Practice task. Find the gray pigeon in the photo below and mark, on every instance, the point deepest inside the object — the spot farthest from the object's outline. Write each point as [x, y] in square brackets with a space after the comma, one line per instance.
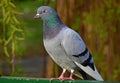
[66, 47]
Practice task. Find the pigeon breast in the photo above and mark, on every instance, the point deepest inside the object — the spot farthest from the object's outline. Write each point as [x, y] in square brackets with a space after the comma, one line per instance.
[56, 51]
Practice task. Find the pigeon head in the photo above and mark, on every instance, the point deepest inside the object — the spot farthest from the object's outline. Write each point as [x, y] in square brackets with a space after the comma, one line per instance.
[44, 11]
[51, 21]
[48, 15]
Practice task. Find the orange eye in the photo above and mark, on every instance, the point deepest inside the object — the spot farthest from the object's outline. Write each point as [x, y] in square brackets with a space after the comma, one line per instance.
[44, 11]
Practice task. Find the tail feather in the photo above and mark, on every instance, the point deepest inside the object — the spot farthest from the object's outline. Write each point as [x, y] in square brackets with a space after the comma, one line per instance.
[85, 75]
[88, 73]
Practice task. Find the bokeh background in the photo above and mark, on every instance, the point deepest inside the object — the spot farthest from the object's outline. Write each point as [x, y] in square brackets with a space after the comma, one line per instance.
[22, 53]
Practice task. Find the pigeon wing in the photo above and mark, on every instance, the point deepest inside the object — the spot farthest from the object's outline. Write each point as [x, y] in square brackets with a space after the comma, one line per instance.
[76, 50]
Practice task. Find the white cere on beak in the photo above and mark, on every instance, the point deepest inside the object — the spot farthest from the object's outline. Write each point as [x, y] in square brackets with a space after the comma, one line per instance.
[37, 14]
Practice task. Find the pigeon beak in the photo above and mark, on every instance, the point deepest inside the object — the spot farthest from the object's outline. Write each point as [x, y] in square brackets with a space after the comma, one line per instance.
[37, 16]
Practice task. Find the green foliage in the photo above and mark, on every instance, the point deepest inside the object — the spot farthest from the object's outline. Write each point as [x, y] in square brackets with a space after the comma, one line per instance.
[11, 26]
[12, 30]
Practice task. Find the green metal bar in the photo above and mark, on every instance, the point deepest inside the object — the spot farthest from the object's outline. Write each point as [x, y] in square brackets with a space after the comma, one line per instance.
[43, 80]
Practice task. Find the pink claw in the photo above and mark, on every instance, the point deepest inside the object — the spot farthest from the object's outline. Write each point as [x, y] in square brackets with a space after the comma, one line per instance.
[62, 76]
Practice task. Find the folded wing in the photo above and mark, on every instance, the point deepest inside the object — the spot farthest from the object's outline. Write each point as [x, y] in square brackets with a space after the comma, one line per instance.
[76, 50]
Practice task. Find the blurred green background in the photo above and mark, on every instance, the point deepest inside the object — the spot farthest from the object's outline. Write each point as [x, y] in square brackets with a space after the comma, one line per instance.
[21, 45]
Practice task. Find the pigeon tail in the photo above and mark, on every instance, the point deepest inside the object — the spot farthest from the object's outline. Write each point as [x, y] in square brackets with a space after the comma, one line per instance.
[88, 73]
[85, 75]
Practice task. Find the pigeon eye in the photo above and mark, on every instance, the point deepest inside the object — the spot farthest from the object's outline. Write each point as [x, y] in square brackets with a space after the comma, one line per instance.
[44, 11]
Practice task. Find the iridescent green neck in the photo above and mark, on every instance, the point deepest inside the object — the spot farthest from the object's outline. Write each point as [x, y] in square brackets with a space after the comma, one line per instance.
[52, 27]
[52, 21]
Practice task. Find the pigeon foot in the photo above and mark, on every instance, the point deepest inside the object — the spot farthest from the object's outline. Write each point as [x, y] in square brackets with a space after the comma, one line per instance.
[62, 78]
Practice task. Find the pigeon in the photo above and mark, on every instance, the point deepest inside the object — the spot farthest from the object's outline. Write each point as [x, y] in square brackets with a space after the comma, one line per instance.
[66, 47]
